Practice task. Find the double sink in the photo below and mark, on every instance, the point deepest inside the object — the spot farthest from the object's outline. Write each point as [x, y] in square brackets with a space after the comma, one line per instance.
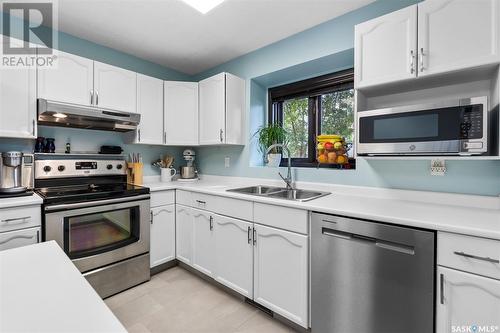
[280, 193]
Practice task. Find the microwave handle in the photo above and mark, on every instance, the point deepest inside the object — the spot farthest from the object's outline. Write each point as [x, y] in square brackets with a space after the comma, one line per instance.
[95, 203]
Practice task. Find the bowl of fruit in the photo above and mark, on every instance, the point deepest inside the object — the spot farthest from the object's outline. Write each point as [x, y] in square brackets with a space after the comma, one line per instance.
[332, 149]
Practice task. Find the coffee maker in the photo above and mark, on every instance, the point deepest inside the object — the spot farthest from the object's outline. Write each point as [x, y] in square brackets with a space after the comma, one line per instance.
[189, 171]
[16, 172]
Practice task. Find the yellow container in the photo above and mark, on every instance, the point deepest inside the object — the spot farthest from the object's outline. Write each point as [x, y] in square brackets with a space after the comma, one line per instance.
[135, 173]
[331, 149]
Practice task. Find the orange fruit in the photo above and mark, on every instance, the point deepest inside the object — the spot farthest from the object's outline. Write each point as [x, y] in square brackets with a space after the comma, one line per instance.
[332, 157]
[322, 159]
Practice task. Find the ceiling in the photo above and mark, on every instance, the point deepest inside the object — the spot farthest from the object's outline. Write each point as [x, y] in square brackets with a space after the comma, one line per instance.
[173, 34]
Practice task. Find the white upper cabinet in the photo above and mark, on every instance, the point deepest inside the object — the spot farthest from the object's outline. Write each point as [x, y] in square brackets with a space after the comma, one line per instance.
[162, 230]
[115, 88]
[17, 101]
[456, 34]
[222, 110]
[281, 273]
[203, 242]
[181, 113]
[150, 107]
[465, 299]
[70, 81]
[386, 48]
[234, 254]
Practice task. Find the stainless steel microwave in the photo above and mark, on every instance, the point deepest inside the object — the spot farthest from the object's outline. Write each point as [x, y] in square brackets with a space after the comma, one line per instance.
[457, 127]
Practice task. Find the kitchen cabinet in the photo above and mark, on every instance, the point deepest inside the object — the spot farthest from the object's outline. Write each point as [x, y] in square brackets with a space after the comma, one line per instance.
[18, 238]
[456, 34]
[281, 272]
[70, 81]
[17, 101]
[115, 88]
[386, 48]
[464, 300]
[162, 235]
[222, 110]
[184, 234]
[181, 113]
[203, 242]
[150, 107]
[234, 254]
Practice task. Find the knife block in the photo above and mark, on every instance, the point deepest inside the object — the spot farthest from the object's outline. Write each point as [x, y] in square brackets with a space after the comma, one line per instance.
[135, 173]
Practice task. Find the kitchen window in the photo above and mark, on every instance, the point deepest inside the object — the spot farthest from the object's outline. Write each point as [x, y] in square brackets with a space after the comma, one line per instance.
[319, 106]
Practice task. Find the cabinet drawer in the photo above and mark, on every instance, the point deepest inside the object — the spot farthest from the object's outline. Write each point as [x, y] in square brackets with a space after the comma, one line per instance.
[291, 219]
[162, 198]
[20, 218]
[183, 198]
[236, 208]
[471, 254]
[18, 238]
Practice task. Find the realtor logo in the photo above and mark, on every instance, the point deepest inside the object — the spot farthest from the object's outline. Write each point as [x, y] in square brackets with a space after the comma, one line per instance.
[33, 28]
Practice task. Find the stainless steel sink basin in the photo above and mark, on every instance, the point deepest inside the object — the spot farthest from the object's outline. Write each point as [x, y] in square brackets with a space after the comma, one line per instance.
[279, 193]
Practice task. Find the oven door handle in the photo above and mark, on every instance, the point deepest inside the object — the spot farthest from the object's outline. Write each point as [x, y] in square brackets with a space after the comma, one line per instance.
[95, 203]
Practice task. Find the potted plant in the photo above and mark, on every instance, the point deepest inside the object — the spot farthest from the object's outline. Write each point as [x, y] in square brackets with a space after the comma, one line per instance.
[267, 136]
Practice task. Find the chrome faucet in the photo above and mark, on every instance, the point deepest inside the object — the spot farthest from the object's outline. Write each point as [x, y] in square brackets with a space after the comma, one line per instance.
[288, 179]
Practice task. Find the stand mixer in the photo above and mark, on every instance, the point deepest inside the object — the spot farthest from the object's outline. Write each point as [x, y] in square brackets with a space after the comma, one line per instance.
[189, 171]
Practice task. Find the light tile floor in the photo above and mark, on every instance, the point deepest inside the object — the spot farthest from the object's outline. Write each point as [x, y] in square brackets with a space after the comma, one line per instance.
[178, 301]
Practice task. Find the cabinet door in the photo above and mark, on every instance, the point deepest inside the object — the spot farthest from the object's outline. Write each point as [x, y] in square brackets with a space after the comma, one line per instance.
[150, 107]
[386, 47]
[17, 101]
[466, 300]
[162, 235]
[18, 238]
[203, 242]
[181, 113]
[212, 110]
[71, 81]
[456, 34]
[281, 272]
[115, 88]
[235, 110]
[184, 234]
[234, 254]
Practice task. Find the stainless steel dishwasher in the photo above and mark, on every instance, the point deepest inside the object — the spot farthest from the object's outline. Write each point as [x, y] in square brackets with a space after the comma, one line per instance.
[369, 277]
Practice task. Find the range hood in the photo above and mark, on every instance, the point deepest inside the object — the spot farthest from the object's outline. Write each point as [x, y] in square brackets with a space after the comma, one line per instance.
[52, 113]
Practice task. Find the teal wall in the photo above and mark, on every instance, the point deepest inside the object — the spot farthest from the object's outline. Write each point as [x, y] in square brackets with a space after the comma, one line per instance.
[324, 49]
[84, 140]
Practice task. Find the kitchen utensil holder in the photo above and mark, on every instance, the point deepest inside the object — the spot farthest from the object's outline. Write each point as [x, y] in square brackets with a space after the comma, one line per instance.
[135, 173]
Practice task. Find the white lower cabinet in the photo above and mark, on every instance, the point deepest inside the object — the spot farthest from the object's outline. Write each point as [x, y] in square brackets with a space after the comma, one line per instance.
[184, 234]
[18, 238]
[162, 230]
[234, 254]
[466, 300]
[203, 242]
[281, 272]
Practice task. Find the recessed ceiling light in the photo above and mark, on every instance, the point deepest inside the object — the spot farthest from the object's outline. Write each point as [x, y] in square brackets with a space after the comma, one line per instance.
[203, 6]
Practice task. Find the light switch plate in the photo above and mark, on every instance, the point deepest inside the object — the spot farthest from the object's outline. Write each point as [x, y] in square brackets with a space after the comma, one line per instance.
[227, 161]
[438, 167]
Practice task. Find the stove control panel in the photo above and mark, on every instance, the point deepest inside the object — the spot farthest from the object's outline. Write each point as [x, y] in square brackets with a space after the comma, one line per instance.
[77, 168]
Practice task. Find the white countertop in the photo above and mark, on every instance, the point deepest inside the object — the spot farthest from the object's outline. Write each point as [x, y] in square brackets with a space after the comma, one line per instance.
[42, 291]
[20, 201]
[465, 214]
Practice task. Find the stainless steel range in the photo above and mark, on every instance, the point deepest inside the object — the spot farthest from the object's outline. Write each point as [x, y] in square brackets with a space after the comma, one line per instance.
[100, 221]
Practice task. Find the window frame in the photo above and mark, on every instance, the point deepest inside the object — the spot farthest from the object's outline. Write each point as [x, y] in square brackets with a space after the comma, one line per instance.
[312, 89]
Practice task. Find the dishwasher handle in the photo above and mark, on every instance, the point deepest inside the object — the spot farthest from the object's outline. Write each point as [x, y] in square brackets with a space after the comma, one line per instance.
[388, 245]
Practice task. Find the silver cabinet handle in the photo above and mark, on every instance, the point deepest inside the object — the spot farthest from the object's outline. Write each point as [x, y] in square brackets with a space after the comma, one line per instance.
[441, 288]
[422, 59]
[151, 217]
[412, 62]
[466, 255]
[16, 219]
[33, 129]
[38, 236]
[139, 134]
[91, 97]
[165, 137]
[201, 202]
[220, 135]
[16, 237]
[254, 236]
[249, 235]
[96, 97]
[211, 223]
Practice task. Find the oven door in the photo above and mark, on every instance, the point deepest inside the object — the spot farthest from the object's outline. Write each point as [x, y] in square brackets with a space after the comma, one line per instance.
[97, 233]
[436, 129]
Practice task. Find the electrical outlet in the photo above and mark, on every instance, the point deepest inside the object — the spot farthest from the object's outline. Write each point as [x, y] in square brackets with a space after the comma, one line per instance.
[227, 161]
[438, 167]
